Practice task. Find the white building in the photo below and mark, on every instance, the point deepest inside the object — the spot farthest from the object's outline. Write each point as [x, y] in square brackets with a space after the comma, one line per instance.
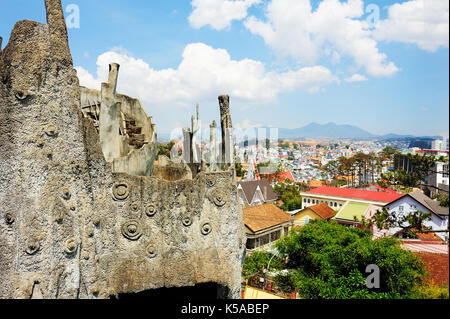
[417, 201]
[439, 145]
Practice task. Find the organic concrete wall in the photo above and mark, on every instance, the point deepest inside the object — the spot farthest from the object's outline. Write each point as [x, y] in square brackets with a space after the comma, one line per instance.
[70, 226]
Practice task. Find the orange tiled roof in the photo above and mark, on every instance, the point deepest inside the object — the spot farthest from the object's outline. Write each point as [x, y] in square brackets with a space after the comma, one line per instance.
[260, 217]
[323, 210]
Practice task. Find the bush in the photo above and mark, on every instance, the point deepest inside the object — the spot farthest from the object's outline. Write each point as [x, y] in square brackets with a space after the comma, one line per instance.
[256, 261]
[330, 262]
[432, 291]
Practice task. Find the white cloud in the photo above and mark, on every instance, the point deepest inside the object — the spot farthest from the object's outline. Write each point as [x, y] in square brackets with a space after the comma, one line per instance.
[246, 124]
[356, 78]
[218, 13]
[421, 22]
[293, 29]
[203, 74]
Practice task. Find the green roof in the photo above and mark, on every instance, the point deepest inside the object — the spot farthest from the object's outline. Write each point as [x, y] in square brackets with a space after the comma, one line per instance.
[353, 209]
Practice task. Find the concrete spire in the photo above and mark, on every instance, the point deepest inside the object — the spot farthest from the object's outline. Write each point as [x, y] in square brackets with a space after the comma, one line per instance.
[59, 43]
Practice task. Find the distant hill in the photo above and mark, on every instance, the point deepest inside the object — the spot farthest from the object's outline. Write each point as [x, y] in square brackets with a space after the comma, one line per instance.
[330, 130]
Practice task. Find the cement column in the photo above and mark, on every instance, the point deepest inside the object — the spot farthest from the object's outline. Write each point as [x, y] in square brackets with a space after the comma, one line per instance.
[212, 146]
[109, 124]
[227, 131]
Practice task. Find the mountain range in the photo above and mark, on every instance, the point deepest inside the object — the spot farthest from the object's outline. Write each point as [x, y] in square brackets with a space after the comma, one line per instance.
[332, 130]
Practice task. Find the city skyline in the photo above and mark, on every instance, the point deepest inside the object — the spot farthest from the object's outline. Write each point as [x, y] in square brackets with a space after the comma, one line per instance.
[325, 61]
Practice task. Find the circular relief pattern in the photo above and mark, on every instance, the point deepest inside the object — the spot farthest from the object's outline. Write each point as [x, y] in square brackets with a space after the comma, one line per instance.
[206, 228]
[51, 130]
[121, 191]
[135, 207]
[210, 181]
[152, 251]
[70, 247]
[21, 94]
[219, 198]
[151, 210]
[187, 221]
[9, 218]
[132, 229]
[32, 246]
[65, 193]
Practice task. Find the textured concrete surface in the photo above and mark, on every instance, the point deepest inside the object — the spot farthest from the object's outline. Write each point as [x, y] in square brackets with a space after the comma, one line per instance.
[71, 225]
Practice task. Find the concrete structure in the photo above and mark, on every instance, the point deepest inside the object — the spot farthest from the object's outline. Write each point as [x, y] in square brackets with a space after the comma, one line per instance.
[84, 214]
[439, 145]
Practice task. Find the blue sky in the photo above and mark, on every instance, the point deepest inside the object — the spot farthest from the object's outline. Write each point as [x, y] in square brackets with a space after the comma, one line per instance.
[285, 63]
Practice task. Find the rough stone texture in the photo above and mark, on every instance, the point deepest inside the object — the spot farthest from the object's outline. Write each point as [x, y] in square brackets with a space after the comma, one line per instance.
[71, 226]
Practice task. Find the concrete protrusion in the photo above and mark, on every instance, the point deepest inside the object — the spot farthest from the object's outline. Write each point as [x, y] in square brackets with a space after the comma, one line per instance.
[212, 146]
[59, 43]
[110, 116]
[227, 132]
[113, 75]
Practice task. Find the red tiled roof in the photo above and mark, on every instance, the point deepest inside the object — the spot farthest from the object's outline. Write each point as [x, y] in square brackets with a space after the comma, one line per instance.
[280, 177]
[385, 189]
[323, 210]
[386, 197]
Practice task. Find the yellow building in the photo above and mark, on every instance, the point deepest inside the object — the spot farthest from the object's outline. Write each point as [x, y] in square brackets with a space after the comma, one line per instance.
[319, 211]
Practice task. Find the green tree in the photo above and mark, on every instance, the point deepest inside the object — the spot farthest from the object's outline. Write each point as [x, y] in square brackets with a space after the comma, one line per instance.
[164, 149]
[289, 193]
[240, 171]
[255, 262]
[328, 260]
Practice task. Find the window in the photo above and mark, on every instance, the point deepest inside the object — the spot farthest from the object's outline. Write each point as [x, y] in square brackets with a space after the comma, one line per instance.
[275, 235]
[309, 201]
[335, 204]
[444, 171]
[400, 208]
[250, 243]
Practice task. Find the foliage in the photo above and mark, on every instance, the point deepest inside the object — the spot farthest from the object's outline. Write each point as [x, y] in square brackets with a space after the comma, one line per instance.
[442, 198]
[410, 223]
[421, 166]
[289, 193]
[240, 171]
[287, 282]
[432, 291]
[164, 149]
[330, 261]
[256, 261]
[389, 152]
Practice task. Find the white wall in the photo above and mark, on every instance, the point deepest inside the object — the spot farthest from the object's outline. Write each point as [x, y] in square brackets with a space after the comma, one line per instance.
[410, 206]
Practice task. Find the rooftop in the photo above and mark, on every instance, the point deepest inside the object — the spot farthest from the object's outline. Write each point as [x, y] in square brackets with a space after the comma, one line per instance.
[352, 210]
[260, 217]
[377, 196]
[323, 210]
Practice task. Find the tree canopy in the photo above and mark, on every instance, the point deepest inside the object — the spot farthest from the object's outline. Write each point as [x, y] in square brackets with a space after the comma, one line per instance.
[328, 260]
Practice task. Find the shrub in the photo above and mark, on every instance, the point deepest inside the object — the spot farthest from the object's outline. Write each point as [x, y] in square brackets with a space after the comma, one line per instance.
[330, 262]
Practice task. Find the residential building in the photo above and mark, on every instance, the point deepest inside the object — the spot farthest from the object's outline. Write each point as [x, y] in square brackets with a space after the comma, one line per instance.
[255, 193]
[336, 197]
[264, 225]
[319, 211]
[352, 213]
[417, 201]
